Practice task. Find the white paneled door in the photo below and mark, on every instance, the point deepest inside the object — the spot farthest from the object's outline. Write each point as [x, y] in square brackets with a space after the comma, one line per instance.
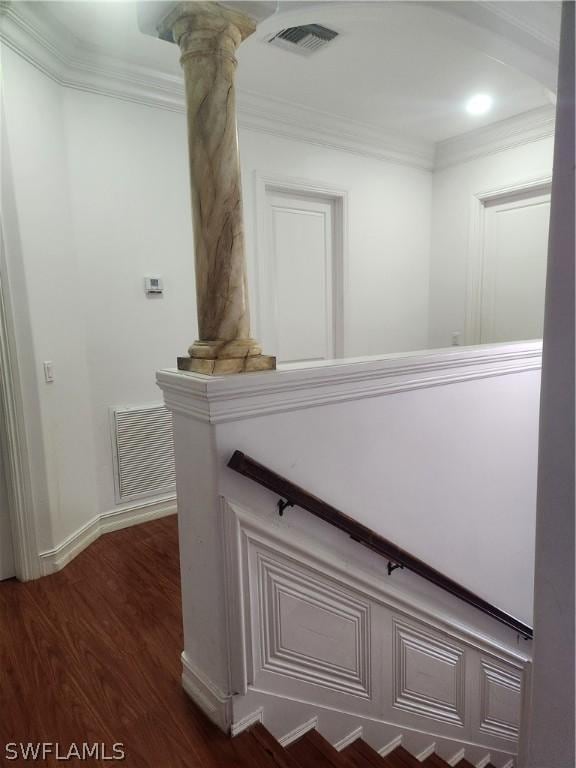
[514, 275]
[302, 275]
[6, 553]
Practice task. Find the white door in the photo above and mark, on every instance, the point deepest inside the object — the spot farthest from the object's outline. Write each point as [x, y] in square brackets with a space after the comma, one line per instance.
[301, 250]
[6, 553]
[514, 276]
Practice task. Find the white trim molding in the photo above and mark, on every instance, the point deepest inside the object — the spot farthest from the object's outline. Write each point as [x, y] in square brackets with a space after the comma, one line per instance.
[298, 732]
[475, 268]
[515, 131]
[294, 121]
[38, 37]
[53, 560]
[391, 746]
[247, 722]
[319, 589]
[215, 704]
[32, 32]
[266, 283]
[344, 742]
[218, 399]
[13, 439]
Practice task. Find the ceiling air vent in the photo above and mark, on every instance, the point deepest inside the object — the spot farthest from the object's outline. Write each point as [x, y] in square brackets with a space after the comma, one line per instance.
[305, 39]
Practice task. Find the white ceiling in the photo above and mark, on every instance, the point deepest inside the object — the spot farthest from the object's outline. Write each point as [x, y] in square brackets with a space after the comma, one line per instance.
[403, 67]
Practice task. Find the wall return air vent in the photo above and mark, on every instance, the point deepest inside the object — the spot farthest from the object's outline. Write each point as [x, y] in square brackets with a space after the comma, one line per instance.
[143, 449]
[305, 40]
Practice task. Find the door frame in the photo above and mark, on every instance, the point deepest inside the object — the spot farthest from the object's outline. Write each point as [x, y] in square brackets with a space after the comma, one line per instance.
[265, 303]
[476, 247]
[19, 492]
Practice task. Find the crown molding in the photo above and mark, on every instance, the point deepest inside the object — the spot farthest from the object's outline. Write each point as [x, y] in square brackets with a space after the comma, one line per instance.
[522, 24]
[283, 118]
[41, 40]
[46, 44]
[505, 134]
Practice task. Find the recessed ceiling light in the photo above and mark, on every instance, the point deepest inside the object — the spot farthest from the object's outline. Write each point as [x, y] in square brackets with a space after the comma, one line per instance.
[479, 104]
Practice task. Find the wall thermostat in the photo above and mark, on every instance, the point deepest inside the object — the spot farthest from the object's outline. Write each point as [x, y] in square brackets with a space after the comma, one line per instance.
[153, 286]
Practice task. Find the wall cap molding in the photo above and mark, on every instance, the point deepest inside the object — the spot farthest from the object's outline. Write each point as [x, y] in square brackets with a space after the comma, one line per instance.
[220, 399]
[46, 44]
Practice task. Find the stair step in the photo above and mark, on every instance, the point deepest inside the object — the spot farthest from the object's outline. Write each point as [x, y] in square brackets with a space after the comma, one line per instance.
[434, 761]
[277, 755]
[361, 755]
[313, 751]
[401, 758]
[248, 752]
[257, 748]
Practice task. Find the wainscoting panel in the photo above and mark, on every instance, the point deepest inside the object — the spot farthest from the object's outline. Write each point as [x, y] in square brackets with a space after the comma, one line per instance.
[428, 675]
[501, 701]
[312, 631]
[307, 630]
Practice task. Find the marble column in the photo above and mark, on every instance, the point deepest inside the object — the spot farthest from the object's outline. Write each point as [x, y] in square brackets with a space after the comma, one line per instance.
[208, 35]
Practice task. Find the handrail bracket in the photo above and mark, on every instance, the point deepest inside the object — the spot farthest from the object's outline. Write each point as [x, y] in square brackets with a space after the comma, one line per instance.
[392, 566]
[283, 504]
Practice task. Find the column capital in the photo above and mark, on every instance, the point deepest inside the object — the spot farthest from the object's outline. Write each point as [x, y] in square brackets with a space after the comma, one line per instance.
[191, 24]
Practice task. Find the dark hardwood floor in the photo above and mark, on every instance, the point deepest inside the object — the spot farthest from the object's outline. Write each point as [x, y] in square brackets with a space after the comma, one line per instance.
[92, 654]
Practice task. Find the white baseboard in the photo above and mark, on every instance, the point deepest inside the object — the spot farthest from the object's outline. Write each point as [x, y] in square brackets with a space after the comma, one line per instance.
[391, 746]
[247, 722]
[427, 752]
[455, 759]
[350, 738]
[53, 560]
[215, 704]
[298, 732]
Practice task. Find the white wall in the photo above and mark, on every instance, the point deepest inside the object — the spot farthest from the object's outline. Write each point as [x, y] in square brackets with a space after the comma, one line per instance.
[102, 199]
[131, 214]
[387, 274]
[453, 193]
[41, 251]
[423, 469]
[550, 739]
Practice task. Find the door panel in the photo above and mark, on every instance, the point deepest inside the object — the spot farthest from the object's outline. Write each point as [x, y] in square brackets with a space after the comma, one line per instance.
[514, 278]
[300, 236]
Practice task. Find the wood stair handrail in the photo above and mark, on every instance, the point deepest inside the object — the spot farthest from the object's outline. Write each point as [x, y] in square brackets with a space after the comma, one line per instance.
[296, 496]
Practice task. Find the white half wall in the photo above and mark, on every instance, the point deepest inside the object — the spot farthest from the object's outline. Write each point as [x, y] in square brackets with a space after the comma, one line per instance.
[438, 455]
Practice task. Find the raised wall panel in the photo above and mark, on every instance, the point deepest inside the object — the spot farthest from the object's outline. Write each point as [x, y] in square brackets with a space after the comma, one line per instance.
[312, 630]
[428, 675]
[501, 701]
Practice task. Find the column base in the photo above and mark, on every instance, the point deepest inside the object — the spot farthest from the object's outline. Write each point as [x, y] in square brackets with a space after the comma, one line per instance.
[219, 357]
[222, 365]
